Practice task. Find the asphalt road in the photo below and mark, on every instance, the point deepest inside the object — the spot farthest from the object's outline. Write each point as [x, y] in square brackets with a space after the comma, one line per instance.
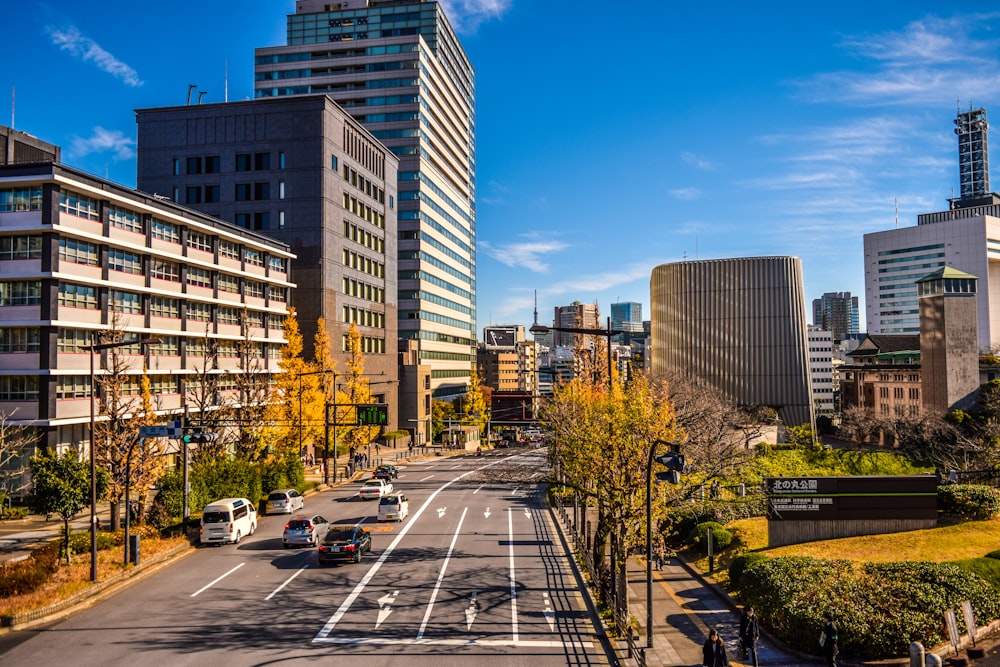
[477, 572]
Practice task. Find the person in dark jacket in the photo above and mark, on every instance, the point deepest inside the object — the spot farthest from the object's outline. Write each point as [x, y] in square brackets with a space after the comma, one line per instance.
[830, 639]
[714, 651]
[749, 634]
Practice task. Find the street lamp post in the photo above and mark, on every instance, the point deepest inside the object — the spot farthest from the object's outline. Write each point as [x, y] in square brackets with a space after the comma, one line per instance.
[92, 348]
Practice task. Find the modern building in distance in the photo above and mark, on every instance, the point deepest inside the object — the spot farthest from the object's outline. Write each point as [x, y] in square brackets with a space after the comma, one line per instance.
[821, 371]
[627, 316]
[949, 354]
[399, 69]
[739, 324]
[21, 148]
[80, 255]
[304, 172]
[964, 237]
[576, 316]
[507, 365]
[836, 312]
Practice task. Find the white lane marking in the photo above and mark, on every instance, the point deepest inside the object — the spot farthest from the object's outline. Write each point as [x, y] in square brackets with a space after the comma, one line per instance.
[470, 613]
[441, 511]
[549, 613]
[477, 490]
[287, 581]
[487, 513]
[385, 607]
[426, 478]
[215, 581]
[444, 567]
[513, 583]
[455, 467]
[400, 641]
[373, 570]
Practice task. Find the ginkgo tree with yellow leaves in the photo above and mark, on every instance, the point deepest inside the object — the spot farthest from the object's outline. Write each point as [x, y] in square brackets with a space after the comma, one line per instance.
[600, 444]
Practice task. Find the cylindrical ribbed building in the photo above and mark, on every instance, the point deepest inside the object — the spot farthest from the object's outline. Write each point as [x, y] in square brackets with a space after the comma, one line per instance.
[738, 323]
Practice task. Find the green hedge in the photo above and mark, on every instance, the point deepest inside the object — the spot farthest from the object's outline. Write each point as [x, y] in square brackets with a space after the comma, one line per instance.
[880, 607]
[740, 564]
[987, 568]
[698, 538]
[969, 501]
[28, 575]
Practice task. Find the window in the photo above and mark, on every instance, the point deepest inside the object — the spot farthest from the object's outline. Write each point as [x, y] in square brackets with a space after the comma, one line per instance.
[19, 339]
[333, 162]
[164, 307]
[78, 205]
[254, 319]
[281, 219]
[18, 387]
[20, 293]
[277, 294]
[281, 189]
[73, 386]
[125, 302]
[165, 231]
[261, 191]
[177, 167]
[77, 296]
[261, 161]
[196, 347]
[229, 250]
[261, 220]
[77, 252]
[124, 261]
[199, 241]
[213, 164]
[252, 256]
[164, 270]
[228, 315]
[242, 220]
[198, 312]
[199, 277]
[28, 198]
[20, 247]
[194, 194]
[213, 194]
[242, 192]
[122, 218]
[281, 159]
[227, 283]
[243, 162]
[72, 340]
[194, 165]
[254, 289]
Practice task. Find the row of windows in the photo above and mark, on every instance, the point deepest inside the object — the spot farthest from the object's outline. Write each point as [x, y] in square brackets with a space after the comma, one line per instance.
[365, 238]
[362, 210]
[18, 388]
[78, 252]
[20, 247]
[79, 205]
[365, 185]
[367, 265]
[363, 290]
[369, 345]
[19, 339]
[21, 198]
[274, 59]
[434, 298]
[364, 318]
[77, 340]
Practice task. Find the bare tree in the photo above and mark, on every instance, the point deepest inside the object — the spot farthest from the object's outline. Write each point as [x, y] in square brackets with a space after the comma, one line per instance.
[15, 451]
[203, 397]
[254, 388]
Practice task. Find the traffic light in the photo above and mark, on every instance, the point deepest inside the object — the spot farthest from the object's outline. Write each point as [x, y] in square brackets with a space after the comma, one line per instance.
[376, 414]
[674, 462]
[199, 436]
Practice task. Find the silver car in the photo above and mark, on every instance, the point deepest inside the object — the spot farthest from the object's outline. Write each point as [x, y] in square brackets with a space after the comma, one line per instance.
[305, 531]
[285, 501]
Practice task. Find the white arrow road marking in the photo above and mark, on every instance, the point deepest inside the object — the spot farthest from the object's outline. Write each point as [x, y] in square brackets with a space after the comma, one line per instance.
[444, 566]
[470, 613]
[215, 581]
[385, 607]
[527, 513]
[441, 511]
[287, 581]
[549, 613]
[487, 513]
[513, 583]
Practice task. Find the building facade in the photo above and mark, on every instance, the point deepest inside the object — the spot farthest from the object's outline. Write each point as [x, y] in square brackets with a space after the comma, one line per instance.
[821, 371]
[949, 354]
[739, 324]
[836, 312]
[81, 256]
[399, 69]
[304, 172]
[627, 317]
[576, 316]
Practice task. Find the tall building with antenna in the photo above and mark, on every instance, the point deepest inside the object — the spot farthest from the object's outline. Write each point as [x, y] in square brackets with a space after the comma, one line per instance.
[966, 237]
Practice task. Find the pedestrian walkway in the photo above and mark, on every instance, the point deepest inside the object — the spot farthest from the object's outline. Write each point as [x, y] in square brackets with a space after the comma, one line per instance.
[19, 537]
[684, 610]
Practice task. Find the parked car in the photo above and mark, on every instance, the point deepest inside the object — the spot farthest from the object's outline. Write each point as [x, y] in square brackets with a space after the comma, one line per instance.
[285, 501]
[307, 531]
[344, 543]
[375, 488]
[393, 507]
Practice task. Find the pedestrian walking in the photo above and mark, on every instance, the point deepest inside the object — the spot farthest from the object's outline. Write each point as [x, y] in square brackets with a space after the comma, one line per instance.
[714, 651]
[749, 635]
[829, 639]
[659, 554]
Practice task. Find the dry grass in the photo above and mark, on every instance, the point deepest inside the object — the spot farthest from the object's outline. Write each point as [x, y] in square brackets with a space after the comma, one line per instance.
[75, 577]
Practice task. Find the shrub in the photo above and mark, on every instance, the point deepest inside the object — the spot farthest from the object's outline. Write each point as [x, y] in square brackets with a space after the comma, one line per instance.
[969, 501]
[698, 538]
[740, 565]
[880, 607]
[157, 515]
[25, 576]
[986, 568]
[993, 554]
[80, 542]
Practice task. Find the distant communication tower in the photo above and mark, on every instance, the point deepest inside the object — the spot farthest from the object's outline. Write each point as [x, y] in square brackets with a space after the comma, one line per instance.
[973, 155]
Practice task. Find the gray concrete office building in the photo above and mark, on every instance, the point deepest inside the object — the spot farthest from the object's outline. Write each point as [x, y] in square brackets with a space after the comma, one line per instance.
[306, 173]
[739, 324]
[399, 69]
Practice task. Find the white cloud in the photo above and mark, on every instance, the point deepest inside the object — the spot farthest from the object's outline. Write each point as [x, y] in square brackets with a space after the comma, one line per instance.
[697, 161]
[104, 141]
[686, 193]
[527, 255]
[467, 15]
[69, 39]
[600, 282]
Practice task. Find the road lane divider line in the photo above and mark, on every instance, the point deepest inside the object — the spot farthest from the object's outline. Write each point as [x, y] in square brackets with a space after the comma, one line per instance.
[373, 570]
[287, 581]
[444, 568]
[426, 478]
[217, 580]
[513, 582]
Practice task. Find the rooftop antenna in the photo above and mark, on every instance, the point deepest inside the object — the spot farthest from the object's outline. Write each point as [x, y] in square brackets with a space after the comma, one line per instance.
[200, 94]
[191, 87]
[536, 307]
[225, 97]
[12, 106]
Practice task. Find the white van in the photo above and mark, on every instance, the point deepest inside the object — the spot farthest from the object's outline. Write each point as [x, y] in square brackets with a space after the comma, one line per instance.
[394, 507]
[228, 520]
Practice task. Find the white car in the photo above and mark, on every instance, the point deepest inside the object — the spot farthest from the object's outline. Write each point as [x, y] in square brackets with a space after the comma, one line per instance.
[284, 501]
[375, 488]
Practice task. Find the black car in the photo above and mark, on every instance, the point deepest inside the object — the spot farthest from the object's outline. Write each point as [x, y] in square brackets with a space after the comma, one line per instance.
[387, 472]
[344, 544]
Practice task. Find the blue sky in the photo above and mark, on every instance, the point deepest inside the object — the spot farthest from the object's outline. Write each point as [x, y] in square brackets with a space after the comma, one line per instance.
[611, 137]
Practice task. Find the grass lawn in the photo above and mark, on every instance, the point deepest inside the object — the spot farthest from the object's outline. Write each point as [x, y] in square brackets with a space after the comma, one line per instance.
[947, 542]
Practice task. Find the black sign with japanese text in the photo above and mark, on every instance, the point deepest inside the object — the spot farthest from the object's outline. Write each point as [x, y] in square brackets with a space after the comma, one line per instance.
[851, 498]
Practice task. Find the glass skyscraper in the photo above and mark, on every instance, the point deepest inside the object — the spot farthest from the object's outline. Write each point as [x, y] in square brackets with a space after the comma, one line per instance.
[398, 68]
